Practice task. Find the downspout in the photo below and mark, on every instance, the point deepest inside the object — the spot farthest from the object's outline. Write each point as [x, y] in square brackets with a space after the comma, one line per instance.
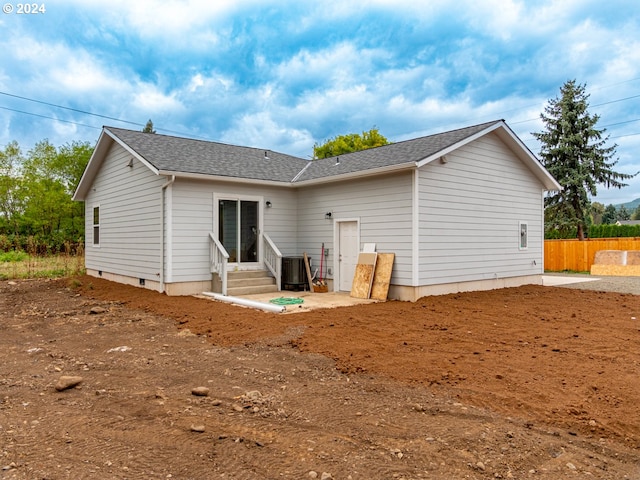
[415, 232]
[162, 229]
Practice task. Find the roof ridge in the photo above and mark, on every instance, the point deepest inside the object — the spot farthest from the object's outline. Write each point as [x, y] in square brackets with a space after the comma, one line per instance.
[445, 132]
[216, 142]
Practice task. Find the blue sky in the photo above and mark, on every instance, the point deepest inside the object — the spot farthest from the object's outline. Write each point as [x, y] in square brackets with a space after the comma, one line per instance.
[283, 75]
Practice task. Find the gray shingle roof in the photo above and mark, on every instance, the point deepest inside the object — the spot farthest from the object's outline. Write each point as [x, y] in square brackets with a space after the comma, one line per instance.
[183, 155]
[409, 151]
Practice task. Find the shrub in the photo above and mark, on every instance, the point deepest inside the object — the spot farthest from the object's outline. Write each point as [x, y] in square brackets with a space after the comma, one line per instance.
[614, 231]
[13, 256]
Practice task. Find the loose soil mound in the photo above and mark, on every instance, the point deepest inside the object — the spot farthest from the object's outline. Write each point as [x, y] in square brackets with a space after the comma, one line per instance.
[525, 382]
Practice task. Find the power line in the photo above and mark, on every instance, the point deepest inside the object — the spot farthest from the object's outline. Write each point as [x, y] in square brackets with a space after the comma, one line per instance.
[84, 112]
[49, 118]
[614, 101]
[69, 108]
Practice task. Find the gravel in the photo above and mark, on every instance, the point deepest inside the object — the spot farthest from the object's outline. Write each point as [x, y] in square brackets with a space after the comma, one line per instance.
[604, 284]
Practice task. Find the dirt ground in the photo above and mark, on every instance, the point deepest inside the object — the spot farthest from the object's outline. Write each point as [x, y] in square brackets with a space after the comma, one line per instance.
[531, 382]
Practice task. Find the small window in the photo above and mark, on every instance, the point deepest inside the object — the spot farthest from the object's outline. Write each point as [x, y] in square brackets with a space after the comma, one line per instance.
[96, 225]
[524, 236]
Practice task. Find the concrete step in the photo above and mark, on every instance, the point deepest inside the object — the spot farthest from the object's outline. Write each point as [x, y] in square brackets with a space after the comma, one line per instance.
[245, 274]
[251, 290]
[249, 282]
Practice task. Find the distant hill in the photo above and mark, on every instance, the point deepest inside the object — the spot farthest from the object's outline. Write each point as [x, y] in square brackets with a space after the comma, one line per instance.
[630, 206]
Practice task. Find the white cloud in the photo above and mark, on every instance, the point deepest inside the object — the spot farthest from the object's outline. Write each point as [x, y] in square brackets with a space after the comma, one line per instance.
[58, 67]
[185, 21]
[337, 64]
[82, 75]
[65, 130]
[261, 130]
[149, 99]
[211, 84]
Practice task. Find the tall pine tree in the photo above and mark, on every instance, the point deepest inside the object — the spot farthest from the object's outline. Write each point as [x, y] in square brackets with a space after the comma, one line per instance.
[148, 128]
[574, 152]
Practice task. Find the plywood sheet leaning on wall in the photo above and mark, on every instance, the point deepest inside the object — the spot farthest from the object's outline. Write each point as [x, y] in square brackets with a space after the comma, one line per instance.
[382, 276]
[363, 277]
[307, 268]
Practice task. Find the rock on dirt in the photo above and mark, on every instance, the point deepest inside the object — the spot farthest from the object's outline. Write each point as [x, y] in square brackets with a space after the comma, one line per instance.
[200, 391]
[66, 382]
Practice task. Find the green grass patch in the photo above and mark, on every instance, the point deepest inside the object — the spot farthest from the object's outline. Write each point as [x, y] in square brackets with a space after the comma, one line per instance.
[20, 265]
[13, 256]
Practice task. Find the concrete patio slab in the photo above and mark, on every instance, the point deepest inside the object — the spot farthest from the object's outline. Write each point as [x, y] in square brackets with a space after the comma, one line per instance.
[557, 280]
[311, 301]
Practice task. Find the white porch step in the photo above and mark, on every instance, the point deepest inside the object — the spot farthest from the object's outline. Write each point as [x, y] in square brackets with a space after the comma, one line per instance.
[249, 282]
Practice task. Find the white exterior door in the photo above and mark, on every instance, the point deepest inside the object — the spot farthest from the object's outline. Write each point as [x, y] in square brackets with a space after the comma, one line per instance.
[348, 246]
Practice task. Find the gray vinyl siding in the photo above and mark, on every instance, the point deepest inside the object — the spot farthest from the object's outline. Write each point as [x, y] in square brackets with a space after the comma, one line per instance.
[130, 218]
[192, 217]
[381, 204]
[469, 211]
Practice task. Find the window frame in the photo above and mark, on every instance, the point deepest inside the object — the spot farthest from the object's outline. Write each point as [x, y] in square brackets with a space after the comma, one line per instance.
[95, 225]
[523, 234]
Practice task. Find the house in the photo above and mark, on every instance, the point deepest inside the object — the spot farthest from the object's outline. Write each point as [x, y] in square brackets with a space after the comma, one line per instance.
[461, 210]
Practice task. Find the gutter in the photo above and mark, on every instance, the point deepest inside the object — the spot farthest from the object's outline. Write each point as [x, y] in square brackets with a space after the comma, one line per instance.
[222, 178]
[163, 190]
[358, 174]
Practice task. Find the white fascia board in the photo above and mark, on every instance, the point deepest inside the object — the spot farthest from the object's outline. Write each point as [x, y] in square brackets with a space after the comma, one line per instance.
[456, 146]
[100, 151]
[513, 142]
[221, 178]
[132, 152]
[529, 159]
[359, 174]
[90, 171]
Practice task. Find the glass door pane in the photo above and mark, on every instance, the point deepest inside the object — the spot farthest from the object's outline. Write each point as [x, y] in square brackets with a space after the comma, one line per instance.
[248, 231]
[228, 227]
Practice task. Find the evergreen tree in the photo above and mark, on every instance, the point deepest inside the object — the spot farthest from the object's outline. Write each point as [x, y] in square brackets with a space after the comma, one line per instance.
[623, 213]
[610, 215]
[148, 128]
[574, 152]
[597, 211]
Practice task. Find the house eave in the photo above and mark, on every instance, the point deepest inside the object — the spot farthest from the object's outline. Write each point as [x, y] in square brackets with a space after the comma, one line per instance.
[103, 145]
[222, 178]
[514, 143]
[451, 148]
[528, 158]
[359, 174]
[133, 152]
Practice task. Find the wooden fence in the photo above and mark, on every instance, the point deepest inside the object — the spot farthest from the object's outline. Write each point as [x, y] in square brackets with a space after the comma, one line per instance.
[578, 255]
